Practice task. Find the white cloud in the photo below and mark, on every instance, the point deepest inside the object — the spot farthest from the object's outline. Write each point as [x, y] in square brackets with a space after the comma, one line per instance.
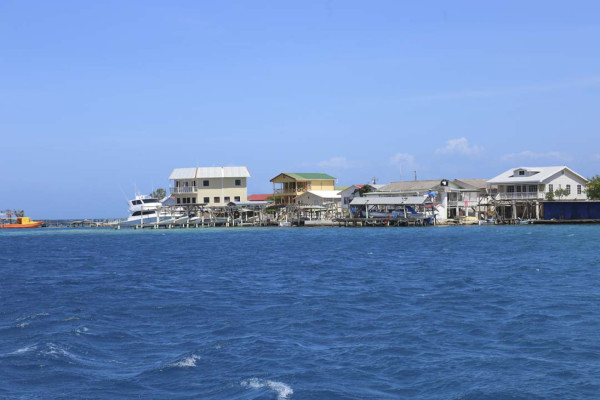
[531, 155]
[334, 162]
[460, 146]
[402, 159]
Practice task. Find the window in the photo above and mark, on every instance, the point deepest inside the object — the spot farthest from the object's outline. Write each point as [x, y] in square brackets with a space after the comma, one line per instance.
[217, 199]
[194, 183]
[578, 189]
[551, 188]
[521, 172]
[238, 182]
[206, 200]
[236, 198]
[205, 183]
[194, 200]
[532, 188]
[178, 200]
[568, 189]
[518, 188]
[227, 199]
[510, 189]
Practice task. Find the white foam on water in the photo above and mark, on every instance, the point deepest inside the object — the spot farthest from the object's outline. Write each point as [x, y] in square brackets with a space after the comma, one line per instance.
[24, 350]
[33, 316]
[81, 330]
[22, 325]
[188, 362]
[55, 351]
[283, 391]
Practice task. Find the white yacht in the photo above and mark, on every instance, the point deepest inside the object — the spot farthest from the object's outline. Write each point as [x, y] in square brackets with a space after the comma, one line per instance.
[145, 210]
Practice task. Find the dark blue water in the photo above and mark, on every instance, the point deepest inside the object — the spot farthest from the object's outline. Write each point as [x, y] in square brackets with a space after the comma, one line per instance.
[332, 313]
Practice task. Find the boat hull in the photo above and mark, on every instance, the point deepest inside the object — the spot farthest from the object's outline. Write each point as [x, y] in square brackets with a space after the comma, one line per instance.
[35, 224]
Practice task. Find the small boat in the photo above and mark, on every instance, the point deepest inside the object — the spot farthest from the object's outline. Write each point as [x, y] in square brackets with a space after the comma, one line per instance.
[12, 220]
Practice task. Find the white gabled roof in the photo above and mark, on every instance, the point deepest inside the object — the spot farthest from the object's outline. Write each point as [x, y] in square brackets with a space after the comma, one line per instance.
[183, 173]
[324, 194]
[223, 172]
[210, 172]
[541, 175]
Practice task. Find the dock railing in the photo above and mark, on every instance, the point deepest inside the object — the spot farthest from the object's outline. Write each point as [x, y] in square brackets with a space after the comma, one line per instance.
[520, 196]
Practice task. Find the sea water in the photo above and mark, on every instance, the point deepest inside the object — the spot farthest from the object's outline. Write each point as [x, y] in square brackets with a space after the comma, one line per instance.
[494, 312]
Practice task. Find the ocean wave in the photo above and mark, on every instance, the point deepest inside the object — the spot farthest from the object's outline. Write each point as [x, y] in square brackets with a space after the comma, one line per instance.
[23, 350]
[81, 330]
[56, 351]
[283, 391]
[187, 362]
[32, 316]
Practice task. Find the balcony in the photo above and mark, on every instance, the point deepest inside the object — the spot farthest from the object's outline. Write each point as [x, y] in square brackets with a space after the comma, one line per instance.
[184, 189]
[520, 196]
[289, 191]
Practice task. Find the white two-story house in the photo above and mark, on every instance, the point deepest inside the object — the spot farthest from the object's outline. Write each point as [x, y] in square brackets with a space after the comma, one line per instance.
[533, 183]
[212, 186]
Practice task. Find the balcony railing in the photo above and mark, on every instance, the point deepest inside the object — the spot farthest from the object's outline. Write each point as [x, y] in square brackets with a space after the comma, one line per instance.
[184, 189]
[520, 196]
[289, 191]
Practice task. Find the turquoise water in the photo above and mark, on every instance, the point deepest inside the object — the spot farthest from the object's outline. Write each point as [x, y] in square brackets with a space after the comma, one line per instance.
[315, 313]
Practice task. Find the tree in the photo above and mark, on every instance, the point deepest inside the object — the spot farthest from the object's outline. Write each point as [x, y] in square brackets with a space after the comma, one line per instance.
[560, 193]
[365, 189]
[592, 188]
[550, 196]
[159, 193]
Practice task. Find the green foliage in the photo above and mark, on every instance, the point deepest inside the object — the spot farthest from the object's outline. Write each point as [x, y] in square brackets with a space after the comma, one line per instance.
[159, 193]
[550, 196]
[592, 188]
[365, 189]
[560, 193]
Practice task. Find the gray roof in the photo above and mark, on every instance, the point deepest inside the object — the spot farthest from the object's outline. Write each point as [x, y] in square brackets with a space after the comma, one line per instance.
[471, 183]
[361, 201]
[412, 186]
[210, 172]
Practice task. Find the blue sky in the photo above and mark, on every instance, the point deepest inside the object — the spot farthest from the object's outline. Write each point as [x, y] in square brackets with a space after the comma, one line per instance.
[99, 98]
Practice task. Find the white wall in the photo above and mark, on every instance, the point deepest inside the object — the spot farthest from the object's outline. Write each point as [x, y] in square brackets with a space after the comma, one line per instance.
[560, 181]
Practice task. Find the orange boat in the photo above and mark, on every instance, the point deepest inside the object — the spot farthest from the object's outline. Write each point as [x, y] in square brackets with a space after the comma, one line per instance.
[8, 222]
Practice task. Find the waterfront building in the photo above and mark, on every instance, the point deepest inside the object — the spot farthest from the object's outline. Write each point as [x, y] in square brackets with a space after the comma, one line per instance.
[422, 188]
[519, 193]
[534, 183]
[288, 185]
[453, 199]
[322, 198]
[212, 186]
[349, 193]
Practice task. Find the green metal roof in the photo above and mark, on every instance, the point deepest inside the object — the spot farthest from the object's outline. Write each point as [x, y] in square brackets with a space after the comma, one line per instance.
[308, 176]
